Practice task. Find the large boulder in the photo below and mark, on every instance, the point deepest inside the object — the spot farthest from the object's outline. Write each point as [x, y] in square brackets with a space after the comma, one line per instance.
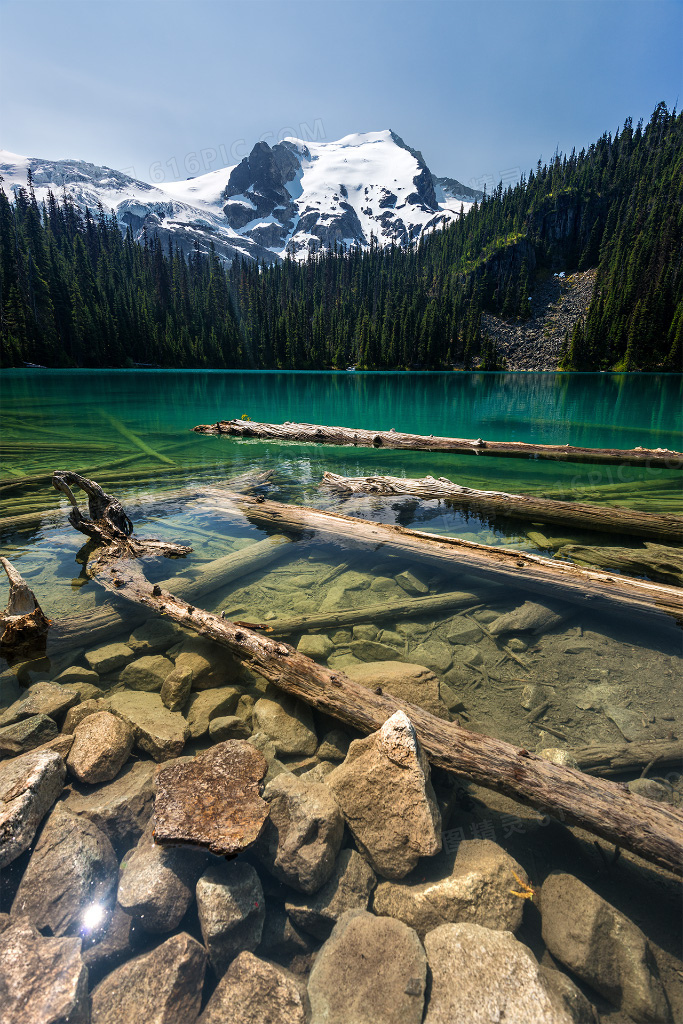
[349, 888]
[480, 975]
[42, 980]
[477, 889]
[386, 796]
[29, 785]
[101, 746]
[158, 731]
[72, 868]
[120, 809]
[254, 991]
[213, 800]
[603, 947]
[157, 886]
[232, 910]
[161, 987]
[415, 684]
[288, 722]
[370, 969]
[303, 834]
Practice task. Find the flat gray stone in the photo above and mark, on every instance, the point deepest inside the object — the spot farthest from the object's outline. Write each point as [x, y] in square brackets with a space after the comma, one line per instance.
[411, 583]
[434, 654]
[29, 785]
[27, 734]
[101, 746]
[109, 658]
[42, 980]
[158, 731]
[288, 722]
[480, 975]
[72, 868]
[254, 991]
[41, 699]
[80, 679]
[349, 888]
[370, 969]
[157, 885]
[463, 631]
[147, 673]
[370, 650]
[303, 833]
[161, 987]
[232, 910]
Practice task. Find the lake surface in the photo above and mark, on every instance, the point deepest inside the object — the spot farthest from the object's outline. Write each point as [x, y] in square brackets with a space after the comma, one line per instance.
[567, 675]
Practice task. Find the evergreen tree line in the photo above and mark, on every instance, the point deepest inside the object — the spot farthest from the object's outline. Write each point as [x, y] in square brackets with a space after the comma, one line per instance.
[75, 291]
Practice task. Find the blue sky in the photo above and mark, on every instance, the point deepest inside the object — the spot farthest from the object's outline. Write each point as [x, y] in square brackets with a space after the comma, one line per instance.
[169, 88]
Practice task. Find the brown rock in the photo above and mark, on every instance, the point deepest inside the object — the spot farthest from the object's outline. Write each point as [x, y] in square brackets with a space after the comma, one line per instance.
[213, 800]
[75, 715]
[121, 809]
[209, 704]
[255, 992]
[349, 888]
[158, 731]
[386, 796]
[102, 744]
[413, 683]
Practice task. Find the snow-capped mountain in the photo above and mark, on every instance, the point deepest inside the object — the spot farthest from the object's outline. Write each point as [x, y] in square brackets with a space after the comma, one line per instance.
[292, 197]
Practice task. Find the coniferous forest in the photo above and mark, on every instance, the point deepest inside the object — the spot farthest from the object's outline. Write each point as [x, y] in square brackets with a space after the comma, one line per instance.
[75, 291]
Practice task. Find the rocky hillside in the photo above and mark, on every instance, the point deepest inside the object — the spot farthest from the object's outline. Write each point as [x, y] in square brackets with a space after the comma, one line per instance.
[536, 344]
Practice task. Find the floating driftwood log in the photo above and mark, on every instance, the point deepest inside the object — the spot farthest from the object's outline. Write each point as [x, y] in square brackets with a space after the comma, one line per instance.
[652, 830]
[518, 506]
[653, 560]
[532, 572]
[311, 433]
[23, 626]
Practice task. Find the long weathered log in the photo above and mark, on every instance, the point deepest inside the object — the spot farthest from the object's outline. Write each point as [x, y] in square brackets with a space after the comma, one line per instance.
[651, 830]
[654, 560]
[225, 570]
[389, 610]
[517, 506]
[607, 760]
[312, 433]
[532, 572]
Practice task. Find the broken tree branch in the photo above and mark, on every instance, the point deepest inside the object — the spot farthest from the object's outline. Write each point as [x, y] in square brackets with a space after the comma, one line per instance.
[23, 626]
[312, 433]
[518, 506]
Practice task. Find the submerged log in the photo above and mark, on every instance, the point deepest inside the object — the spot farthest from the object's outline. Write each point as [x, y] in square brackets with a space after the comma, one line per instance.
[607, 760]
[310, 433]
[517, 506]
[532, 572]
[650, 830]
[234, 566]
[23, 626]
[389, 610]
[654, 560]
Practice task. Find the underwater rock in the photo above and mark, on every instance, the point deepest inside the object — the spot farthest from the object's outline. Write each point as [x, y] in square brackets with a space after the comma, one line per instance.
[158, 731]
[109, 658]
[477, 890]
[154, 636]
[370, 650]
[257, 992]
[121, 809]
[77, 714]
[316, 646]
[370, 969]
[20, 737]
[411, 583]
[213, 800]
[232, 910]
[147, 673]
[480, 975]
[334, 745]
[175, 689]
[101, 746]
[416, 684]
[229, 727]
[434, 654]
[530, 617]
[29, 785]
[463, 631]
[157, 885]
[288, 722]
[42, 980]
[72, 867]
[303, 834]
[40, 699]
[349, 888]
[386, 796]
[208, 704]
[161, 987]
[603, 947]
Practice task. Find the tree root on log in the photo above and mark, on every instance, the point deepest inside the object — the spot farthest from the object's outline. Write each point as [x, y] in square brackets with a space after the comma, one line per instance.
[23, 626]
[315, 434]
[651, 830]
[519, 506]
